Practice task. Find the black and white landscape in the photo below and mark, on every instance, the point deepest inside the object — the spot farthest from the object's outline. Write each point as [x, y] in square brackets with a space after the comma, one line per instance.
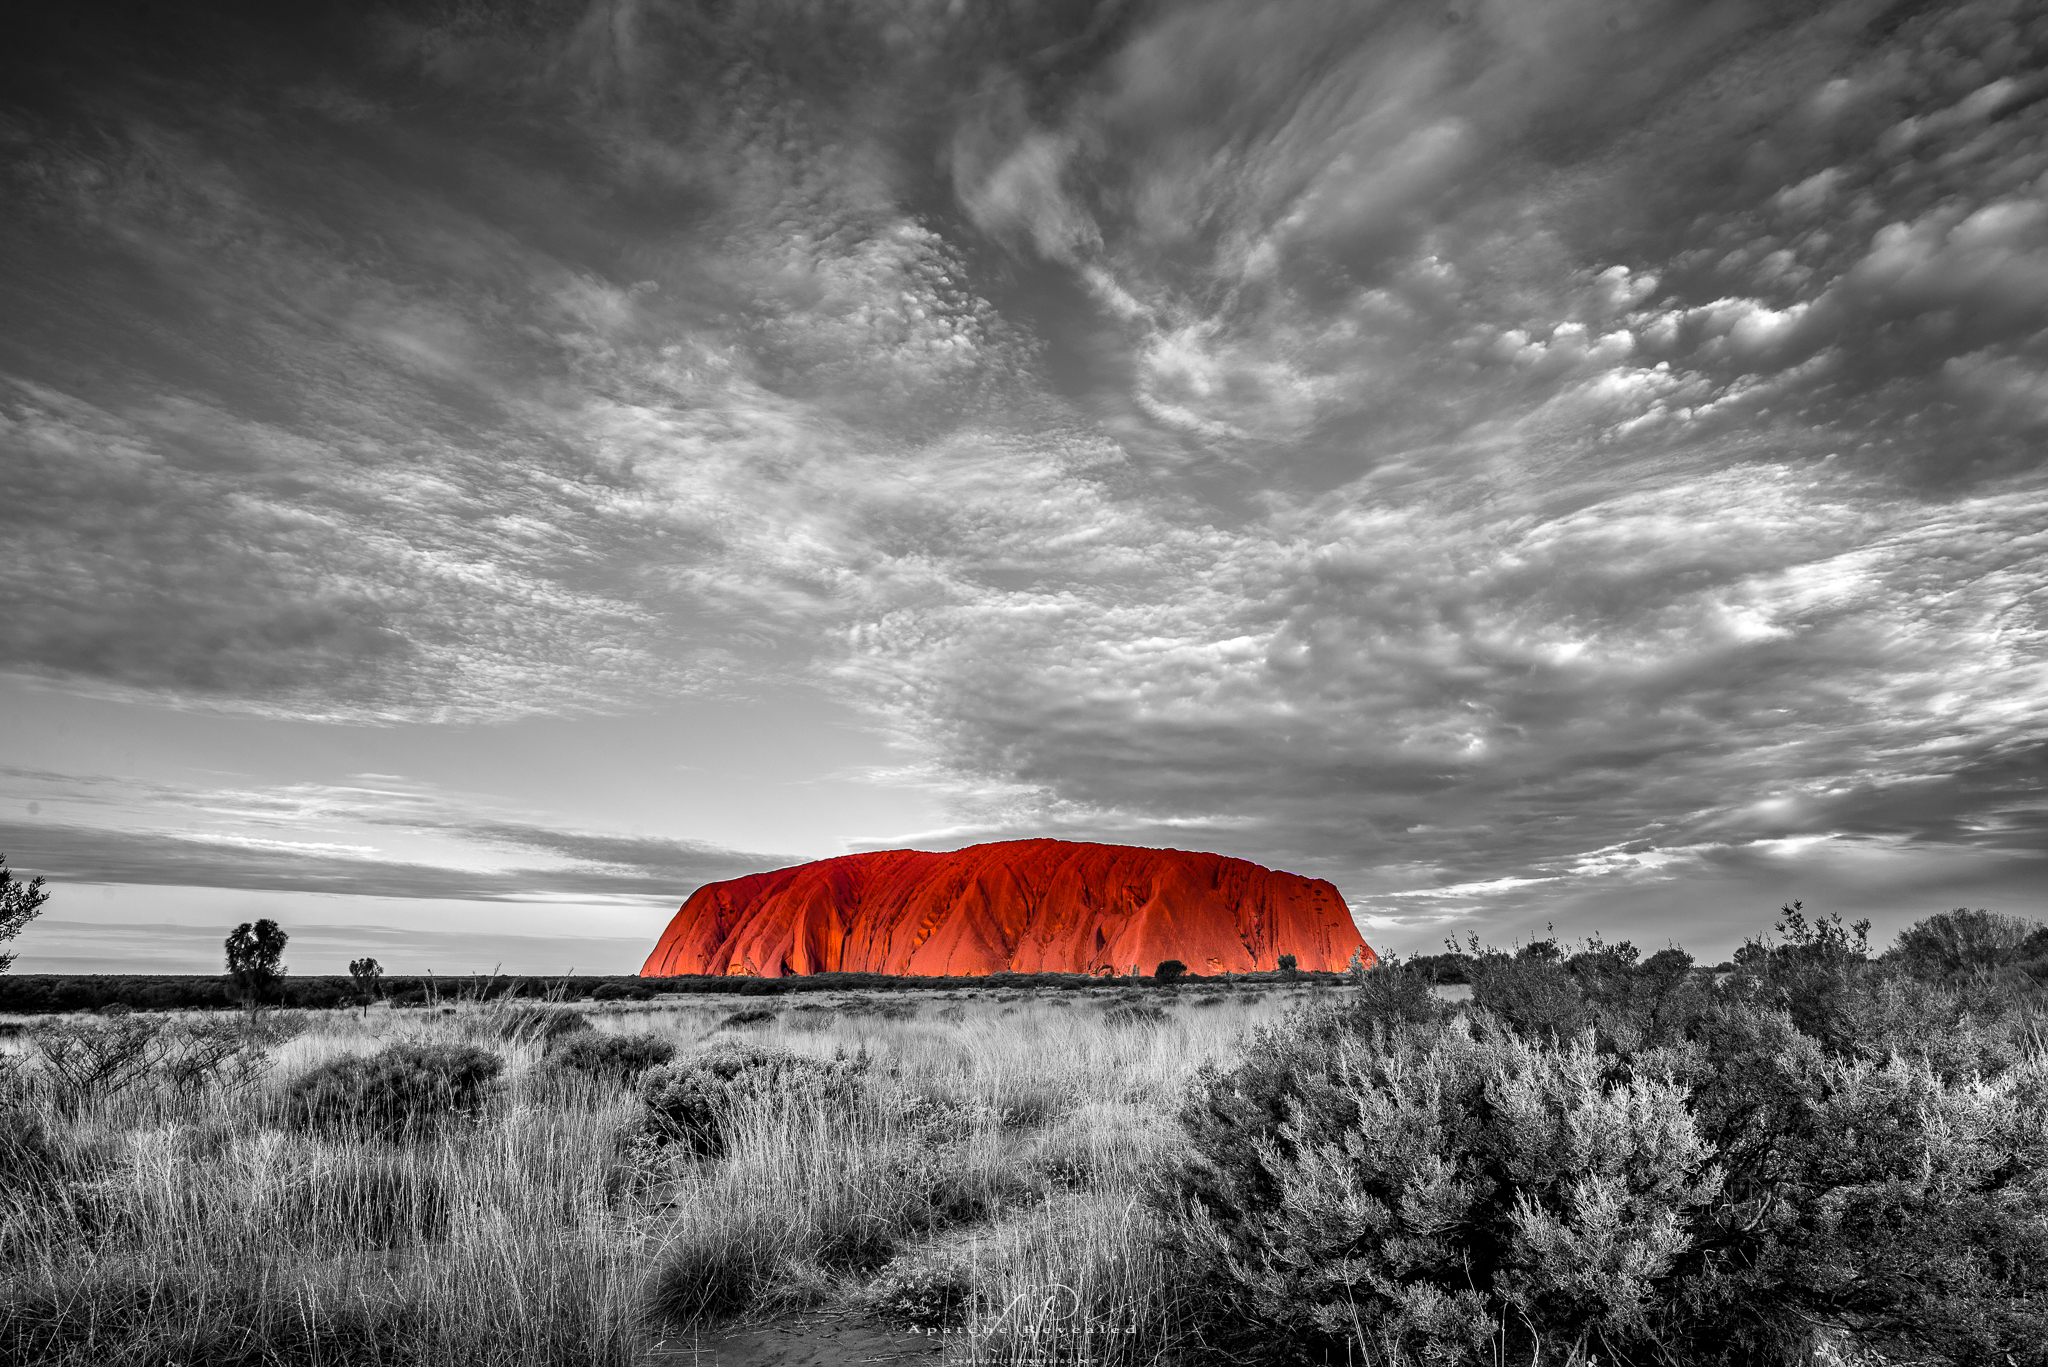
[1554, 486]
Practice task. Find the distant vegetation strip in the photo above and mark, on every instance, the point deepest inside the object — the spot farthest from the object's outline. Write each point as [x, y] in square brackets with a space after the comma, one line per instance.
[39, 993]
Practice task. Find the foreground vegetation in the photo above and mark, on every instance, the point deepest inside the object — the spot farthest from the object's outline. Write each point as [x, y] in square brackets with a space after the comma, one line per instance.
[1816, 1153]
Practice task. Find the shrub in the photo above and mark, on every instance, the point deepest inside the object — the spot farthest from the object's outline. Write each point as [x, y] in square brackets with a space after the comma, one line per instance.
[1169, 970]
[1444, 1190]
[399, 1092]
[689, 1102]
[923, 1291]
[1962, 942]
[619, 1058]
[88, 1059]
[1289, 964]
[1716, 1195]
[1390, 993]
[1533, 993]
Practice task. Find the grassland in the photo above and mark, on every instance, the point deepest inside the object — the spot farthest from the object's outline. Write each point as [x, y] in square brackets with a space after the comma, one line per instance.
[983, 1182]
[1812, 1154]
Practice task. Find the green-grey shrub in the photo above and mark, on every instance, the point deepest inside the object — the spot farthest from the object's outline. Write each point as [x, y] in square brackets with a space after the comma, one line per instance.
[1449, 1191]
[399, 1092]
[923, 1291]
[1434, 1187]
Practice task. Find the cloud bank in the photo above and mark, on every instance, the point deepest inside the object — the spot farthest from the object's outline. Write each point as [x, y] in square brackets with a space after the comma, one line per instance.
[1485, 453]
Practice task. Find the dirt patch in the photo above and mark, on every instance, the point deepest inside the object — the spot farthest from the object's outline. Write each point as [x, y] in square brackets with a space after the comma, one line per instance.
[818, 1339]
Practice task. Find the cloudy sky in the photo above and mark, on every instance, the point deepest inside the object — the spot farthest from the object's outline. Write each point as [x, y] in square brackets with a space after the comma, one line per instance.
[473, 472]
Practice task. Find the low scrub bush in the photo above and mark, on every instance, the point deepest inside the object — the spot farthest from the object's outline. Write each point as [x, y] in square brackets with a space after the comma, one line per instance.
[400, 1092]
[81, 1062]
[924, 1291]
[617, 1058]
[749, 1016]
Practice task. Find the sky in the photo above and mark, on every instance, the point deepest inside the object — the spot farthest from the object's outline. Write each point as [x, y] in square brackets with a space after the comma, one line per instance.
[474, 472]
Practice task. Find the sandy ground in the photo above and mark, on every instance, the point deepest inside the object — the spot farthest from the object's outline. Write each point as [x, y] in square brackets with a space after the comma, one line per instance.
[817, 1339]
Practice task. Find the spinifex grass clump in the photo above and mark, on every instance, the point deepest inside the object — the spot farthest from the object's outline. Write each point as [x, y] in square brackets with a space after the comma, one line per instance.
[402, 1091]
[692, 1102]
[517, 1022]
[819, 1180]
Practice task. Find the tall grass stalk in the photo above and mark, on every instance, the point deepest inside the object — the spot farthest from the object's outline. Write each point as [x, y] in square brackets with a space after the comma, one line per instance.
[1080, 1279]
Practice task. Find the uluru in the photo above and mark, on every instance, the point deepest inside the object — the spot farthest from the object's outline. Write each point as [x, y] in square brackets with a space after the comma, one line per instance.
[1026, 906]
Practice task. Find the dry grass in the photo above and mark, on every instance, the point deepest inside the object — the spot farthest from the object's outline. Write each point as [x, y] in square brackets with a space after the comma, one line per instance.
[998, 1144]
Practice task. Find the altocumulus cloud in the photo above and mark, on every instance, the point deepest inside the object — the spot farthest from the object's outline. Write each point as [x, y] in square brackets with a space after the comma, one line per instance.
[1475, 450]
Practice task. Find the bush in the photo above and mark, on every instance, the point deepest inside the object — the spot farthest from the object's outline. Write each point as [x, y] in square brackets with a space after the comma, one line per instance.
[748, 1016]
[618, 1058]
[688, 1102]
[400, 1092]
[1169, 970]
[1444, 1189]
[1962, 943]
[924, 1292]
[1538, 996]
[1717, 1192]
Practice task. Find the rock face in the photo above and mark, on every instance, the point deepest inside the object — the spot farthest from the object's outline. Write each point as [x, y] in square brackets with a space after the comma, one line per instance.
[1027, 906]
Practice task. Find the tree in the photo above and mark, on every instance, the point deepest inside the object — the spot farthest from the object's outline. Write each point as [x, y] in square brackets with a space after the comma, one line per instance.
[19, 904]
[366, 972]
[255, 953]
[1288, 963]
[1168, 970]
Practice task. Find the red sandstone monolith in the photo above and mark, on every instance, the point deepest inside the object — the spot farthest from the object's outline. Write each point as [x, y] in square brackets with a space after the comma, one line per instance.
[1025, 906]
